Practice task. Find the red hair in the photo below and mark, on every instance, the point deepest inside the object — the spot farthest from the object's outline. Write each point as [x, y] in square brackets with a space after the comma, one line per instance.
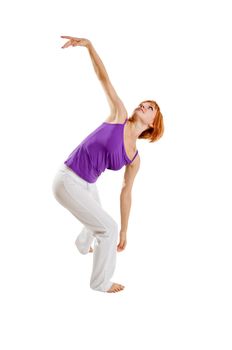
[156, 132]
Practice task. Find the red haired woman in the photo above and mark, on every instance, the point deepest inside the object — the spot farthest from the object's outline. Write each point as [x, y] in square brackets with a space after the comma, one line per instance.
[111, 145]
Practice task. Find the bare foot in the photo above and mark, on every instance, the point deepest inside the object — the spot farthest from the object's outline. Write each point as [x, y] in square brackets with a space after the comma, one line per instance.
[115, 288]
[90, 250]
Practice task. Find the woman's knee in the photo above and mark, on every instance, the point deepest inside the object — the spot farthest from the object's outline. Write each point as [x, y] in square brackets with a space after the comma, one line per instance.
[112, 228]
[109, 228]
[112, 224]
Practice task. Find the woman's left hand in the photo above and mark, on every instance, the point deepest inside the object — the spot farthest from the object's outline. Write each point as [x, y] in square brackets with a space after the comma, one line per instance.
[122, 242]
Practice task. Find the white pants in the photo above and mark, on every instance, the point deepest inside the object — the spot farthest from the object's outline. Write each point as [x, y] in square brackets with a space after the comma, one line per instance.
[81, 198]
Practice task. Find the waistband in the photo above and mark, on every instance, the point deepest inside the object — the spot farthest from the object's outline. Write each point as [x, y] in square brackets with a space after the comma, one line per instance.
[65, 169]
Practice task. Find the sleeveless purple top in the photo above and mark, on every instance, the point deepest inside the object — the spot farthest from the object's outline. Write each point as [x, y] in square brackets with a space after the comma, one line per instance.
[103, 148]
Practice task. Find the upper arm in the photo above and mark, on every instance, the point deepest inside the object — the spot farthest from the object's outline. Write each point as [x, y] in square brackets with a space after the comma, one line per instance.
[115, 103]
[130, 172]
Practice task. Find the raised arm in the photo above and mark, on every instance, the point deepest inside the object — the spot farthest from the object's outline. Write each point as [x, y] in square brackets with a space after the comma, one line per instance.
[115, 103]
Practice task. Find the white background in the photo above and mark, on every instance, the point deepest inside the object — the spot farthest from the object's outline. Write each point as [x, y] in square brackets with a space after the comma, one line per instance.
[176, 267]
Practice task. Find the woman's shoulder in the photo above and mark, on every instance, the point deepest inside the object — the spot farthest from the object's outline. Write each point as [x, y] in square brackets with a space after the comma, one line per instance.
[117, 118]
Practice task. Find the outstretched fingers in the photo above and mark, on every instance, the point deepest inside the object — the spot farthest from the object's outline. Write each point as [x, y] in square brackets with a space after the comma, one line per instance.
[66, 44]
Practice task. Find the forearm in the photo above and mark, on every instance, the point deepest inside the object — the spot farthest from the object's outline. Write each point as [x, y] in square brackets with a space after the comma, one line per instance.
[125, 206]
[97, 63]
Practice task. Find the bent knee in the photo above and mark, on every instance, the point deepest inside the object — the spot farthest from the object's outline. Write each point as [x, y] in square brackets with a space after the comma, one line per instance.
[113, 226]
[109, 228]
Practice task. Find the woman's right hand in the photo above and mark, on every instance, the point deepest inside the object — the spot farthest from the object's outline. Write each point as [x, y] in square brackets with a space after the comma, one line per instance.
[75, 41]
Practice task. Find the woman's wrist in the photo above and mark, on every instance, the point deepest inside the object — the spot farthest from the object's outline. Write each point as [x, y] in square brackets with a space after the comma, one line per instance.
[89, 45]
[122, 233]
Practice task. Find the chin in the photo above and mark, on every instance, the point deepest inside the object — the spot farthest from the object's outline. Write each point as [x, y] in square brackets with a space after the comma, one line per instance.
[138, 113]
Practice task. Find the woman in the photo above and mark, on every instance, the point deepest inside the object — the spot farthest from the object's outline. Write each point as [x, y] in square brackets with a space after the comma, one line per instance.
[110, 146]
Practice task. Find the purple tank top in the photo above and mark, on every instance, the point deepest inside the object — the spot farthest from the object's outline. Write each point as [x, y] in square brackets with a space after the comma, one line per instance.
[103, 148]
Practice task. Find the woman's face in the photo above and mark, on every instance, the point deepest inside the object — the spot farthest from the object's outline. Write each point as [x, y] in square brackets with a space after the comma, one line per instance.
[146, 112]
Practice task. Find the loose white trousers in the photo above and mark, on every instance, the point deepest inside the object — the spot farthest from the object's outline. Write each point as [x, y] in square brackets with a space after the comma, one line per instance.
[81, 198]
